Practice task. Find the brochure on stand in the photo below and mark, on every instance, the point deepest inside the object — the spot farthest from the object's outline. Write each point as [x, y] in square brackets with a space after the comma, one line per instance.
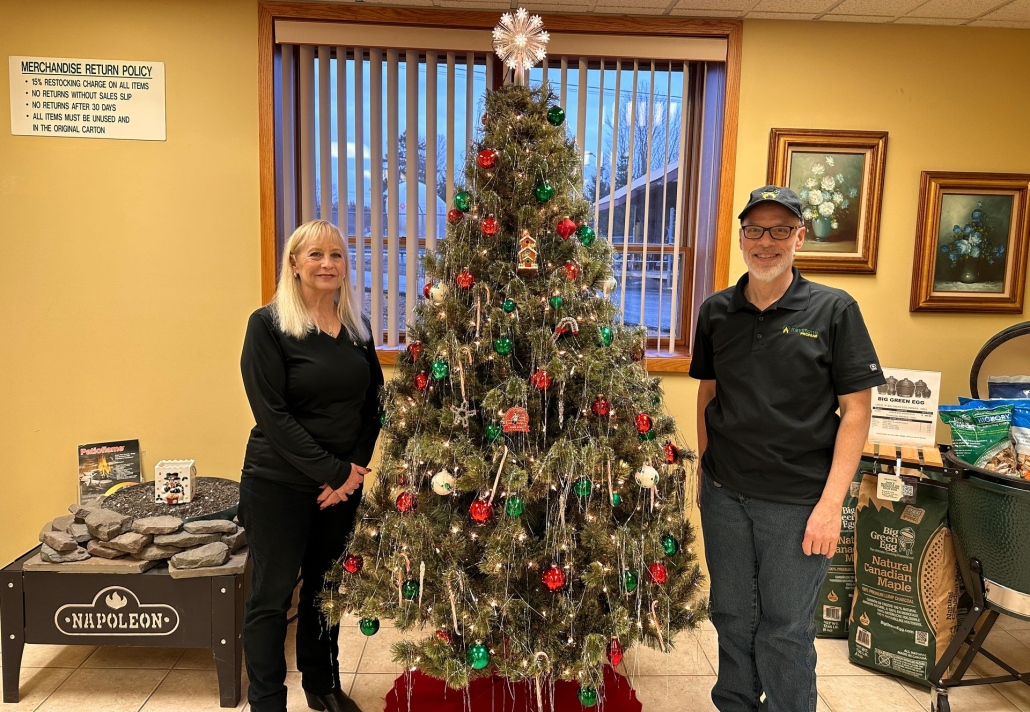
[105, 467]
[905, 408]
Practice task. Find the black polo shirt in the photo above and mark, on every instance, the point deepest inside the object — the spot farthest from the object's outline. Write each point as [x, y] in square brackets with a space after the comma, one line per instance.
[778, 372]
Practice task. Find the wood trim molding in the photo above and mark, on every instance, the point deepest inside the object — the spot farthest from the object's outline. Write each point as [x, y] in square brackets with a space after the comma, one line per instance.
[732, 30]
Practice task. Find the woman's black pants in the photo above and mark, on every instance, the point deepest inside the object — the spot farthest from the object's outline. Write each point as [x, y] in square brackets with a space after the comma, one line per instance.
[288, 535]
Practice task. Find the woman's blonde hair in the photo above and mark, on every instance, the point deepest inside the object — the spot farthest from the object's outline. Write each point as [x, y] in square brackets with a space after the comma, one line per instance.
[291, 314]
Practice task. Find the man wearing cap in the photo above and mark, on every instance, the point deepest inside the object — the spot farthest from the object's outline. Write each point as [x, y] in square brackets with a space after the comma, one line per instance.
[777, 356]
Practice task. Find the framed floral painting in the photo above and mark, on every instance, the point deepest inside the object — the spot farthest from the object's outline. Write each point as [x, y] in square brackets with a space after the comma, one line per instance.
[972, 238]
[839, 177]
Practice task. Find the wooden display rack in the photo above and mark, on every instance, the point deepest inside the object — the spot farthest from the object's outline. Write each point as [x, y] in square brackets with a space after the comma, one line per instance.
[913, 458]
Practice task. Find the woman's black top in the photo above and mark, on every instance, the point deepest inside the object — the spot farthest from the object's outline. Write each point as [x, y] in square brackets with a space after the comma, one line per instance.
[315, 401]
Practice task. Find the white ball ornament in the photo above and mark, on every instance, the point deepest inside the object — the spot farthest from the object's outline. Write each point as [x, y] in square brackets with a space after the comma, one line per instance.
[443, 482]
[646, 477]
[609, 286]
[438, 292]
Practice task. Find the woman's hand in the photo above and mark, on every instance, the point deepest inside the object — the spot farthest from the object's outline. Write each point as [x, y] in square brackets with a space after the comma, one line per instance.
[328, 496]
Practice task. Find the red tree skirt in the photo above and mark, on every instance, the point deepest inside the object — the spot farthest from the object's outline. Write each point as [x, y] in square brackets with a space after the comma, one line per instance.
[498, 694]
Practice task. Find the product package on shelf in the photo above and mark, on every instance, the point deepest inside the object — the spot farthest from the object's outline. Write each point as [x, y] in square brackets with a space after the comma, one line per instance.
[833, 610]
[907, 581]
[992, 434]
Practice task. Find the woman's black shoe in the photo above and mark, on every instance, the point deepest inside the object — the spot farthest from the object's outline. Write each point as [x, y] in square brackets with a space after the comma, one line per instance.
[335, 701]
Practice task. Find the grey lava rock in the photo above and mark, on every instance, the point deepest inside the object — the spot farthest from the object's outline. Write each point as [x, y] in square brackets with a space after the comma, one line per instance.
[210, 526]
[236, 541]
[157, 525]
[214, 554]
[79, 532]
[57, 557]
[185, 540]
[156, 552]
[98, 548]
[105, 525]
[131, 542]
[62, 542]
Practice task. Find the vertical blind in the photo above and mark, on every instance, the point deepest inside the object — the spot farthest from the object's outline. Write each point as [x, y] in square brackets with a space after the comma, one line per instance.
[374, 139]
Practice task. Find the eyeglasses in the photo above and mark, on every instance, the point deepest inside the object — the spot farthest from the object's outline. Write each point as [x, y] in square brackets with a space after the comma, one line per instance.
[776, 232]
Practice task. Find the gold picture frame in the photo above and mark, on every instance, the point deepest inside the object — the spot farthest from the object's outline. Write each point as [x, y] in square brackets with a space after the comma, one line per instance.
[972, 236]
[839, 177]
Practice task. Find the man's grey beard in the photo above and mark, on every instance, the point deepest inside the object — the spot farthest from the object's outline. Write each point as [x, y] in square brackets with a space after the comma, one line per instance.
[765, 274]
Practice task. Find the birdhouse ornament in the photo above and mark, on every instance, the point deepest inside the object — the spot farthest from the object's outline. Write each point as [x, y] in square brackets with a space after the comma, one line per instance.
[527, 254]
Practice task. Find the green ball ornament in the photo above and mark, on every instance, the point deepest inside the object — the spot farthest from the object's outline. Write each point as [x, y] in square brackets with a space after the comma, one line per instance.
[544, 192]
[616, 499]
[369, 626]
[409, 589]
[587, 696]
[492, 431]
[503, 345]
[630, 579]
[440, 369]
[583, 487]
[382, 418]
[463, 201]
[555, 302]
[556, 116]
[586, 235]
[669, 545]
[478, 656]
[607, 335]
[509, 306]
[515, 506]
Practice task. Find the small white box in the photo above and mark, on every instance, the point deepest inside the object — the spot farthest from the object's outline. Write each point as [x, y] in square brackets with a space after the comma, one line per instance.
[173, 481]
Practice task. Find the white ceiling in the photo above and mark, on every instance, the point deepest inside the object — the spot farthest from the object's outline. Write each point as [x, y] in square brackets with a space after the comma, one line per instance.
[974, 13]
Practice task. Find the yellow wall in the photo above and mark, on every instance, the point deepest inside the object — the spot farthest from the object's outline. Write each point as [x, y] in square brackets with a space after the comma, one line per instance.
[130, 267]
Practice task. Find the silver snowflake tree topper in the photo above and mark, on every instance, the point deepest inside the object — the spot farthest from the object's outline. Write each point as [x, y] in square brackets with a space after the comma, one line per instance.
[520, 41]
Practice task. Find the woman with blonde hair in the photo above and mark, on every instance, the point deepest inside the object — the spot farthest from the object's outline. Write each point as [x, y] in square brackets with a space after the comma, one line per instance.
[313, 381]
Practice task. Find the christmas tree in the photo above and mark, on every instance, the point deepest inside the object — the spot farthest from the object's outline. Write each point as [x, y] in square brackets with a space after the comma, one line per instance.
[530, 506]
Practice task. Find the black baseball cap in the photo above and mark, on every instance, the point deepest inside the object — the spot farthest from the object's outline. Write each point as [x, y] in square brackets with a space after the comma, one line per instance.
[773, 194]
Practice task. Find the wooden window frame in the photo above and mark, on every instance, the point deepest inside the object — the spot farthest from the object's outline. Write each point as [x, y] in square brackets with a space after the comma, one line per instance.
[730, 30]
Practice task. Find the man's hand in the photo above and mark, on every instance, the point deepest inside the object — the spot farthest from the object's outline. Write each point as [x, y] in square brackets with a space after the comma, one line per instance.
[328, 496]
[822, 531]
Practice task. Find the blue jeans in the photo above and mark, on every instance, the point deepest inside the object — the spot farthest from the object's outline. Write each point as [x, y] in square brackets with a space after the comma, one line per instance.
[763, 597]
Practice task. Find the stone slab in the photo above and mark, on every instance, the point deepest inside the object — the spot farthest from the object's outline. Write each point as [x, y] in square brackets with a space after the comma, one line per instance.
[53, 556]
[236, 564]
[157, 525]
[92, 565]
[185, 540]
[155, 552]
[131, 542]
[210, 526]
[213, 554]
[60, 541]
[236, 541]
[95, 547]
[105, 524]
[80, 532]
[81, 511]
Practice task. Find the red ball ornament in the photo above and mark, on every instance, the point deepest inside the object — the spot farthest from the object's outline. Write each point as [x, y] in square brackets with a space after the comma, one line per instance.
[421, 381]
[554, 578]
[541, 379]
[643, 422]
[426, 288]
[415, 350]
[571, 270]
[672, 453]
[601, 406]
[443, 635]
[487, 158]
[464, 279]
[565, 228]
[658, 573]
[352, 564]
[406, 502]
[454, 216]
[489, 225]
[615, 652]
[481, 511]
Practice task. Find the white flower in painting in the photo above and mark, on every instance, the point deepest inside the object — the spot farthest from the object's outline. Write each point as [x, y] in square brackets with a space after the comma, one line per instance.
[807, 213]
[803, 194]
[818, 169]
[834, 224]
[829, 161]
[826, 209]
[811, 183]
[828, 183]
[815, 197]
[838, 198]
[840, 179]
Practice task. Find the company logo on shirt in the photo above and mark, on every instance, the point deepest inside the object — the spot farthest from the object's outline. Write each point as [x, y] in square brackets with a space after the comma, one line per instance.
[801, 332]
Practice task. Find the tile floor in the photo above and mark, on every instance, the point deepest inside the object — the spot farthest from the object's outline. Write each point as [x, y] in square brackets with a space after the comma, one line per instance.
[107, 679]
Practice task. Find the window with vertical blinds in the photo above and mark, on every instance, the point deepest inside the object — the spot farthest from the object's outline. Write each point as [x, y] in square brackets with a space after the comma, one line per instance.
[374, 139]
